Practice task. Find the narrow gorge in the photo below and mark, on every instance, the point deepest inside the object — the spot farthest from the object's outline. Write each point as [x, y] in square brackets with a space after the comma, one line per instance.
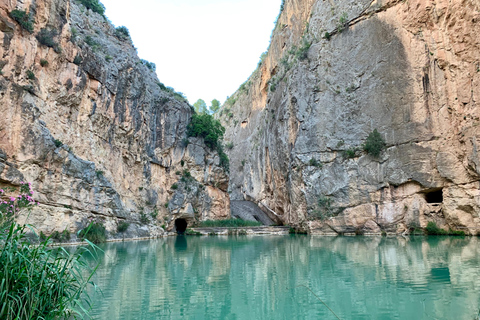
[102, 139]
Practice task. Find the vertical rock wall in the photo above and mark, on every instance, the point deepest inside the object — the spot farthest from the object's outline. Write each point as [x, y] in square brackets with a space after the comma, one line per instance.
[94, 130]
[411, 70]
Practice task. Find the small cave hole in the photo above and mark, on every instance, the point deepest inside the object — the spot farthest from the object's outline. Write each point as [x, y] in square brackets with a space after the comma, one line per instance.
[434, 196]
[180, 226]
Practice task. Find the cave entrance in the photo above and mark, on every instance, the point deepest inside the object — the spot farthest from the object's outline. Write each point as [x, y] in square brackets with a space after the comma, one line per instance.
[181, 225]
[435, 196]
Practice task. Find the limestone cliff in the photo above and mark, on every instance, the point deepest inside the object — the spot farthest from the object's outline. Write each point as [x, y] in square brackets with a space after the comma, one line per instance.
[334, 72]
[89, 124]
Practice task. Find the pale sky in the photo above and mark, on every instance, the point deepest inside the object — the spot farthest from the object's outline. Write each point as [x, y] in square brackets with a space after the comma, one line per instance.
[203, 48]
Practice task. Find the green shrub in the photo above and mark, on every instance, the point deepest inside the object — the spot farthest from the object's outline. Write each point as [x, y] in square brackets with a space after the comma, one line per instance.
[190, 232]
[58, 143]
[94, 5]
[149, 65]
[349, 153]
[63, 236]
[374, 144]
[327, 35]
[229, 223]
[143, 218]
[302, 52]
[122, 226]
[433, 229]
[46, 38]
[342, 22]
[154, 214]
[95, 232]
[99, 173]
[229, 145]
[30, 75]
[92, 43]
[224, 161]
[108, 57]
[78, 59]
[174, 186]
[122, 33]
[43, 63]
[324, 209]
[456, 233]
[315, 163]
[205, 126]
[74, 33]
[24, 19]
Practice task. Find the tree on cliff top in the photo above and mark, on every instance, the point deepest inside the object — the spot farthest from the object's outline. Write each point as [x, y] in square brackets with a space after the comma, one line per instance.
[200, 106]
[215, 106]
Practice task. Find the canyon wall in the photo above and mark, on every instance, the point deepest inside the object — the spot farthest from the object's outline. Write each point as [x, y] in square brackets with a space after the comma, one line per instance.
[336, 71]
[90, 125]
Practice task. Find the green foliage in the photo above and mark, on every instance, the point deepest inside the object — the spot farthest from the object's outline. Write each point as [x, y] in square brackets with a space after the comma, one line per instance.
[229, 145]
[327, 35]
[58, 143]
[154, 214]
[30, 75]
[92, 43]
[24, 19]
[433, 229]
[62, 237]
[215, 106]
[143, 218]
[229, 223]
[374, 144]
[99, 173]
[315, 163]
[224, 161]
[94, 5]
[78, 59]
[324, 208]
[95, 232]
[263, 56]
[302, 52]
[73, 34]
[174, 186]
[349, 153]
[182, 162]
[190, 232]
[122, 226]
[29, 88]
[342, 22]
[200, 106]
[43, 63]
[46, 38]
[39, 281]
[108, 57]
[122, 33]
[205, 126]
[150, 65]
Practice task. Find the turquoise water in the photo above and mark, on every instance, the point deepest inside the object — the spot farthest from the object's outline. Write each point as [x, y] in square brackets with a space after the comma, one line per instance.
[266, 277]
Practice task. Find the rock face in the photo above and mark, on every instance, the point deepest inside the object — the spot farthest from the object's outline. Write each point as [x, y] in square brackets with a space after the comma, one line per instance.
[334, 72]
[89, 124]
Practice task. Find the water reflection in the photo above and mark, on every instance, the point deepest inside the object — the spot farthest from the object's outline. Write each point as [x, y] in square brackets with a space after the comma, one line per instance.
[263, 278]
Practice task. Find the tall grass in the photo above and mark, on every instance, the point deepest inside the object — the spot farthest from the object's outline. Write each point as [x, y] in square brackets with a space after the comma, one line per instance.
[38, 281]
[229, 223]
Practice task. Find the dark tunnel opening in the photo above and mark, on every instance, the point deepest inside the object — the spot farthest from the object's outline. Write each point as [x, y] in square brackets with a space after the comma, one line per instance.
[180, 226]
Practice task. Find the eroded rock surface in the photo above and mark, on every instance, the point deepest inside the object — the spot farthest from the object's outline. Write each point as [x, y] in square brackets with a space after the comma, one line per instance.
[94, 130]
[409, 69]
